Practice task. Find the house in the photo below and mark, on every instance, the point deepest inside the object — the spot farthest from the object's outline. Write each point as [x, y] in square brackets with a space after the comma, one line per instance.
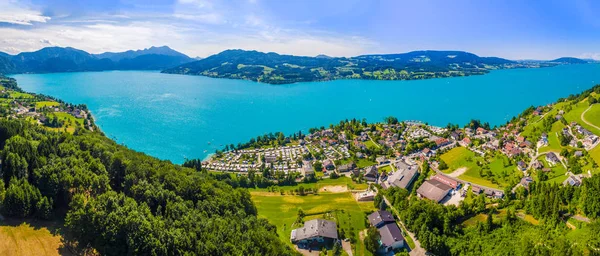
[466, 142]
[537, 165]
[572, 181]
[442, 142]
[481, 131]
[360, 155]
[347, 167]
[366, 196]
[380, 218]
[455, 135]
[307, 168]
[426, 152]
[522, 165]
[433, 190]
[270, 159]
[476, 190]
[315, 232]
[525, 181]
[446, 180]
[525, 144]
[552, 158]
[371, 173]
[382, 160]
[391, 238]
[328, 164]
[403, 176]
[390, 235]
[578, 153]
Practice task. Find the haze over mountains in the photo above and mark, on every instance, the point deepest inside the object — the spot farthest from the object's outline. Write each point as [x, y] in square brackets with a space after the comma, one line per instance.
[58, 59]
[269, 67]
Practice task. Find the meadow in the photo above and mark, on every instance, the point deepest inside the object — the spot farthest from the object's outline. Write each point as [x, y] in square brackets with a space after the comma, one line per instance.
[24, 239]
[282, 211]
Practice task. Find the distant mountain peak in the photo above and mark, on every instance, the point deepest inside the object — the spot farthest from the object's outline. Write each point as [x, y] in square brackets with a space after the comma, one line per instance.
[569, 60]
[160, 50]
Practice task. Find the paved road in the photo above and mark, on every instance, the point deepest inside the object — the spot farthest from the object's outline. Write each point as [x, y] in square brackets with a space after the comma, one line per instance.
[417, 250]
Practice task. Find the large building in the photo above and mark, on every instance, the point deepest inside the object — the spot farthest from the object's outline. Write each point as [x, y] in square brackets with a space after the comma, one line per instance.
[315, 232]
[404, 175]
[434, 190]
[391, 238]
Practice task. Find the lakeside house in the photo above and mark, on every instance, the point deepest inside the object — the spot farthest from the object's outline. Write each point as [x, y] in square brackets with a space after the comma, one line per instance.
[391, 238]
[315, 233]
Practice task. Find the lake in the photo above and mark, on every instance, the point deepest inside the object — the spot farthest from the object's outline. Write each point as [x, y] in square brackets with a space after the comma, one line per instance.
[176, 117]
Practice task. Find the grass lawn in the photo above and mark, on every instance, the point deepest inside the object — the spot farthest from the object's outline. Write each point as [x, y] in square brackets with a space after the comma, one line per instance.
[557, 175]
[553, 143]
[595, 154]
[282, 211]
[23, 239]
[363, 162]
[387, 169]
[70, 122]
[341, 181]
[370, 144]
[20, 95]
[41, 104]
[459, 157]
[593, 115]
[575, 115]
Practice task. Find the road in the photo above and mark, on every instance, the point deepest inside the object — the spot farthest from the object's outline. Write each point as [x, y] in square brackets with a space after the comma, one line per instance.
[418, 250]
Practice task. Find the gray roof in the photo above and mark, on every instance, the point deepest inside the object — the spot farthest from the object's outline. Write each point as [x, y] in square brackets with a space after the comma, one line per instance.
[315, 228]
[434, 190]
[371, 171]
[379, 216]
[390, 233]
[402, 177]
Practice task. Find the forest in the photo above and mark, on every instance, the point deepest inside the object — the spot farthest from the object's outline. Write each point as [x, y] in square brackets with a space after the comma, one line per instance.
[115, 201]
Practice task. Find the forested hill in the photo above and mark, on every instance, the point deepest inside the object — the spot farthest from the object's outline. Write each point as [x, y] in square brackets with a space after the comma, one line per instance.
[570, 60]
[115, 201]
[58, 59]
[274, 68]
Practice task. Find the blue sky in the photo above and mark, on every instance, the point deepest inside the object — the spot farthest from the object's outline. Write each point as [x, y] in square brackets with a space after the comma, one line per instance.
[510, 28]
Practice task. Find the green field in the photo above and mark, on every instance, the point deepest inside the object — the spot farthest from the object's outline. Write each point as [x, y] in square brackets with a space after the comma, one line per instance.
[20, 95]
[387, 169]
[41, 104]
[23, 239]
[282, 211]
[341, 181]
[70, 121]
[553, 143]
[459, 157]
[593, 115]
[363, 162]
[370, 144]
[575, 115]
[495, 171]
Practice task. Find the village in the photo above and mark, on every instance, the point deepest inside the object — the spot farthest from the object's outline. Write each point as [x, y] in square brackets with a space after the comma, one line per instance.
[475, 159]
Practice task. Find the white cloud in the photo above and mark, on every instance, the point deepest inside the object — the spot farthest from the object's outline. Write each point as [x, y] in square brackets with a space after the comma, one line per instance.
[14, 13]
[590, 55]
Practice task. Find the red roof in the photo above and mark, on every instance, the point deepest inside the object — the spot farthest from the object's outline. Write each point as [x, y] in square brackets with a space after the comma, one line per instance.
[448, 181]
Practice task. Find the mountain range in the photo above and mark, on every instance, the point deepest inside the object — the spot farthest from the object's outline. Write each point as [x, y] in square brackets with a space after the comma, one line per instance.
[269, 67]
[59, 59]
[275, 68]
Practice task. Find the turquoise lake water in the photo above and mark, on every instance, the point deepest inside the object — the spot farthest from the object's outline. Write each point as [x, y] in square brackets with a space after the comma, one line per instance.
[174, 116]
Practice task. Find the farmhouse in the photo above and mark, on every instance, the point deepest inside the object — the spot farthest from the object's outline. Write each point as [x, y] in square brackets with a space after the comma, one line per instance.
[446, 180]
[315, 232]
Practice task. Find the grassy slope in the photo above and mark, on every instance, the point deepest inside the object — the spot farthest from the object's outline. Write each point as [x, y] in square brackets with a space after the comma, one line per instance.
[458, 157]
[23, 239]
[341, 181]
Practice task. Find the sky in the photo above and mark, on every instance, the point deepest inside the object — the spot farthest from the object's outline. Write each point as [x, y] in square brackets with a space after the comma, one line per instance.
[513, 29]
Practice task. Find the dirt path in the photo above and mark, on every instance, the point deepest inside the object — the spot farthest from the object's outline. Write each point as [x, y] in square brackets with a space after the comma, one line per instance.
[586, 121]
[457, 172]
